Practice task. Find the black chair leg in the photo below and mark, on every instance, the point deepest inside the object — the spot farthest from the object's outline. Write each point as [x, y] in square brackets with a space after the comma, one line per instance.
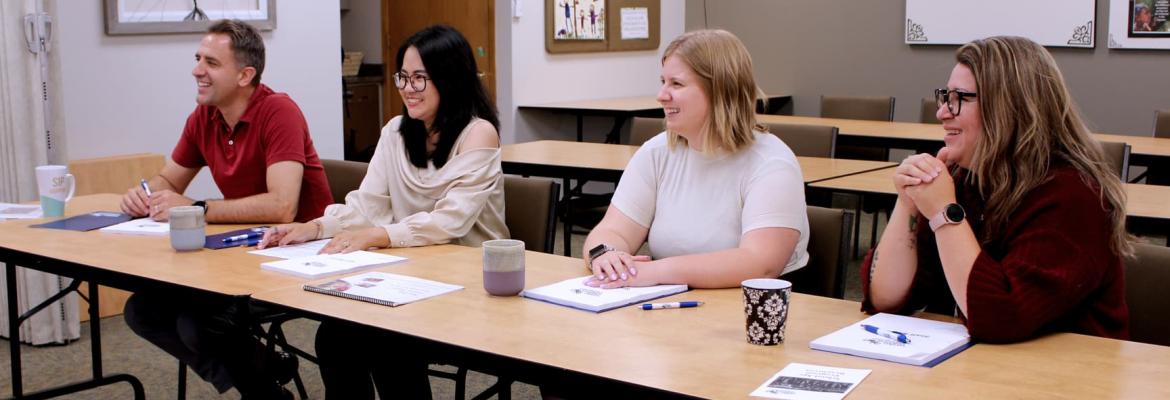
[182, 381]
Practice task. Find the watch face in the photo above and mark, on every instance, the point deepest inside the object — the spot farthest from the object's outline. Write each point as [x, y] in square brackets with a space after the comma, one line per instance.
[955, 213]
[598, 250]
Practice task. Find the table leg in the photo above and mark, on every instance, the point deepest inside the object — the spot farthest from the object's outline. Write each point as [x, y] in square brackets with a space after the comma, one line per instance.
[13, 330]
[580, 127]
[615, 133]
[567, 221]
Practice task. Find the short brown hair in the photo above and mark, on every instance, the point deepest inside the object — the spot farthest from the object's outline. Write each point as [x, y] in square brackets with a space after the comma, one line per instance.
[725, 70]
[247, 45]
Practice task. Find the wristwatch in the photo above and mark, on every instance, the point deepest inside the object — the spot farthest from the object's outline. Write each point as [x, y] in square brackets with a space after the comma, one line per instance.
[201, 203]
[950, 215]
[598, 251]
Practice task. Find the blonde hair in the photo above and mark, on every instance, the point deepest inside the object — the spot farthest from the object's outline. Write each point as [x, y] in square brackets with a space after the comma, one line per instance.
[724, 68]
[1029, 120]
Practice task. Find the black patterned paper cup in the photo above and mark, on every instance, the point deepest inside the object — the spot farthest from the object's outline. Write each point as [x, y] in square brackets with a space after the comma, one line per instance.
[766, 307]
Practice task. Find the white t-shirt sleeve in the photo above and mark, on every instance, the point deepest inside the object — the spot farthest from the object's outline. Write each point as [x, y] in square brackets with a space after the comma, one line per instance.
[775, 198]
[637, 193]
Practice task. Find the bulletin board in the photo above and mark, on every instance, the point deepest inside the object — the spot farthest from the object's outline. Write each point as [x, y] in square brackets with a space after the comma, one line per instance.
[1054, 23]
[579, 26]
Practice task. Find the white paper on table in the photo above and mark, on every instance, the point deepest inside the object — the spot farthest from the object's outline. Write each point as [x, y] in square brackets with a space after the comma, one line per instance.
[19, 211]
[294, 250]
[140, 226]
[635, 23]
[811, 382]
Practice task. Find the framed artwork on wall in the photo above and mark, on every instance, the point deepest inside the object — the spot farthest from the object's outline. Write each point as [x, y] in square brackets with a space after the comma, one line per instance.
[1139, 24]
[1052, 23]
[580, 26]
[143, 17]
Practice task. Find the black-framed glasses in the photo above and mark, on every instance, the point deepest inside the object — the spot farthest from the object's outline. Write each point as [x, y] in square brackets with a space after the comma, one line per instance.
[417, 81]
[952, 98]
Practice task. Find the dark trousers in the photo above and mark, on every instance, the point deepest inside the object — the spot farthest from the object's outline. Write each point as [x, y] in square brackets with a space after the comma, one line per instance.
[211, 334]
[356, 359]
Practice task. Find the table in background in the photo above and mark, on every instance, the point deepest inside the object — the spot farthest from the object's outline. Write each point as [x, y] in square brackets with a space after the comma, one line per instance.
[606, 162]
[702, 352]
[622, 109]
[927, 138]
[1143, 202]
[122, 261]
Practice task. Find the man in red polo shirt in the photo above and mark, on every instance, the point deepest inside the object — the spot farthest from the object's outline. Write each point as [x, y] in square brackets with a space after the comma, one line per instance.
[256, 143]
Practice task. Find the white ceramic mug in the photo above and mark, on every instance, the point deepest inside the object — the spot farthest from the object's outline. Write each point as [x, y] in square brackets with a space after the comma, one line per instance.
[56, 186]
[503, 267]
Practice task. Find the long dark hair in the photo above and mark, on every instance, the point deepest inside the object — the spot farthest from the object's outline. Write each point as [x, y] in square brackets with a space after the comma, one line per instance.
[447, 57]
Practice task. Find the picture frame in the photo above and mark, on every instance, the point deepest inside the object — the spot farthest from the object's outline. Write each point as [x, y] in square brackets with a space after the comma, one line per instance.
[642, 23]
[145, 17]
[1139, 24]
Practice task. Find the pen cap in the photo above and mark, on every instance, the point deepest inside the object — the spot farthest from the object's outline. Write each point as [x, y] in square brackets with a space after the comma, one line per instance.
[186, 217]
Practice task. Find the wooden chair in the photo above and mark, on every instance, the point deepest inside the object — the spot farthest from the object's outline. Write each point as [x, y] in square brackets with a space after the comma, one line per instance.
[929, 111]
[828, 254]
[1147, 275]
[872, 108]
[807, 140]
[1117, 153]
[113, 174]
[531, 216]
[344, 176]
[1156, 174]
[644, 128]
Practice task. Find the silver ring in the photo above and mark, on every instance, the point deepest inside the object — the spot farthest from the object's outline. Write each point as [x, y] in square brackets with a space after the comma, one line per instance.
[345, 243]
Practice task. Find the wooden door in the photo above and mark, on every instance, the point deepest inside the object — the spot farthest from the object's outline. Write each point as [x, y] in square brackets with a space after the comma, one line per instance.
[475, 19]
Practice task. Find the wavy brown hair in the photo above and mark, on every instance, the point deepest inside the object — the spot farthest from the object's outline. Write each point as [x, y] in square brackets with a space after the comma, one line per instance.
[1029, 121]
[725, 69]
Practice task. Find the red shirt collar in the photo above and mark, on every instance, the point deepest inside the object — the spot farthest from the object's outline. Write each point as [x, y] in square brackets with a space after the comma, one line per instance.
[261, 92]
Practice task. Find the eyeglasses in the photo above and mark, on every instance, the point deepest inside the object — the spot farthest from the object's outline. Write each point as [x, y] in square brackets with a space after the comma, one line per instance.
[417, 81]
[952, 98]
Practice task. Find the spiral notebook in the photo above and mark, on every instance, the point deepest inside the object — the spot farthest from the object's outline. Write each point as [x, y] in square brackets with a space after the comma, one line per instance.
[383, 288]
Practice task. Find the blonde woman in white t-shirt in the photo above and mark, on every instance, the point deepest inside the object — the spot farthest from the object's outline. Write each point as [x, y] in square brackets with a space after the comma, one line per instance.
[718, 199]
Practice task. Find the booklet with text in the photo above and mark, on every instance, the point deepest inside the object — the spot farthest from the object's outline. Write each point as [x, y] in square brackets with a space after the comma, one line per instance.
[574, 293]
[141, 226]
[811, 382]
[898, 338]
[19, 211]
[328, 264]
[383, 288]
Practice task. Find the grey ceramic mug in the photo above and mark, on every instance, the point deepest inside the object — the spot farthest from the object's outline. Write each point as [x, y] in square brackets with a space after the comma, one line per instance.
[503, 267]
[187, 228]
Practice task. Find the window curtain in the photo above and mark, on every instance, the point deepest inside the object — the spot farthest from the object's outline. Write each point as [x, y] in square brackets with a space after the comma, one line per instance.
[22, 148]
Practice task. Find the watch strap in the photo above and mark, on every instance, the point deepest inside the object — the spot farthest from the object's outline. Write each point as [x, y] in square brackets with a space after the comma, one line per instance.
[201, 203]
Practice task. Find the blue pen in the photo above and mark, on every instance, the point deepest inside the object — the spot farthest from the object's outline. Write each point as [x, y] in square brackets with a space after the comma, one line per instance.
[245, 236]
[252, 241]
[892, 335]
[145, 187]
[678, 304]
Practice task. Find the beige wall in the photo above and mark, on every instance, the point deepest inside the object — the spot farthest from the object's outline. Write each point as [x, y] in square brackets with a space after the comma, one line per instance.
[812, 47]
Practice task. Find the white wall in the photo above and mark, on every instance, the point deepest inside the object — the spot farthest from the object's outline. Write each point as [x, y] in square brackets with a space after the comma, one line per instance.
[131, 94]
[539, 77]
[361, 29]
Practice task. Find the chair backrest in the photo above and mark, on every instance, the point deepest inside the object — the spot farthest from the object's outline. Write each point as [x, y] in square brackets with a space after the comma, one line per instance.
[114, 174]
[807, 140]
[1147, 276]
[828, 252]
[530, 211]
[1117, 153]
[644, 128]
[344, 177]
[929, 111]
[873, 108]
[1162, 124]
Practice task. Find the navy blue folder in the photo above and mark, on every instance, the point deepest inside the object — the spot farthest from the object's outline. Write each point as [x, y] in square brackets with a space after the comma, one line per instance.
[86, 222]
[215, 242]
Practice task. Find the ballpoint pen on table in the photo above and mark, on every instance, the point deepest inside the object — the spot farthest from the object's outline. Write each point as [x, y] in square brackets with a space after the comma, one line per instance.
[679, 304]
[245, 236]
[892, 335]
[145, 187]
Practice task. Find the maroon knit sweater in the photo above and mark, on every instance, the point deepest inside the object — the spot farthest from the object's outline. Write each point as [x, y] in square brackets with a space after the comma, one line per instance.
[1050, 269]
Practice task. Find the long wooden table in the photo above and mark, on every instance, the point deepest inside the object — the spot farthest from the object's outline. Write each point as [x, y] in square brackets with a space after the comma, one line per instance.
[703, 352]
[928, 137]
[1142, 201]
[622, 109]
[122, 261]
[606, 162]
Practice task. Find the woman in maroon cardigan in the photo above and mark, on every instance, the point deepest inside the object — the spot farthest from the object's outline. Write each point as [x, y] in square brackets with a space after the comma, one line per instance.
[1018, 224]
